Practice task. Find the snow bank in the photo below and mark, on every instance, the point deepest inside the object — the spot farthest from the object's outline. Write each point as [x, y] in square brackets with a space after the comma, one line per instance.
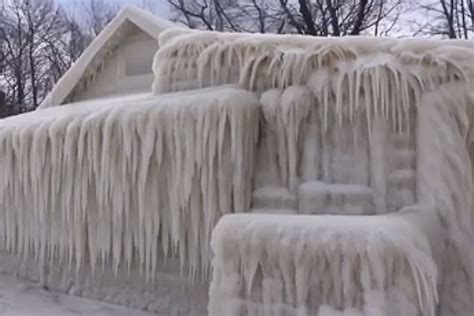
[300, 265]
[122, 182]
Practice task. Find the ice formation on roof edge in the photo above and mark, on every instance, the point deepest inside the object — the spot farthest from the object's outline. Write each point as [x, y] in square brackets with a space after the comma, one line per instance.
[126, 184]
[355, 70]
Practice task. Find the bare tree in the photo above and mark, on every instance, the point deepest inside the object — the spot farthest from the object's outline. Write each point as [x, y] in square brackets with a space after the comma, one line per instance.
[343, 17]
[62, 51]
[12, 35]
[36, 44]
[39, 41]
[97, 14]
[450, 18]
[311, 17]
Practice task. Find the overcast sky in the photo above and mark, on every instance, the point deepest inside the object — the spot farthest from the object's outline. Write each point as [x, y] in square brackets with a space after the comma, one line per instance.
[159, 7]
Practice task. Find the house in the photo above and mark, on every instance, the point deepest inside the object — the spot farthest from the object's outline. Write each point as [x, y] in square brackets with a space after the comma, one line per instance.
[117, 62]
[316, 176]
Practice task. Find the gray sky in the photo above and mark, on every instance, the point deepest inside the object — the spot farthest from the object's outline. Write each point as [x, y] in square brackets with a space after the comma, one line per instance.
[159, 7]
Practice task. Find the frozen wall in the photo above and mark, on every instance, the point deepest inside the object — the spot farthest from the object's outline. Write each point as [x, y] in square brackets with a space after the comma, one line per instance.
[445, 182]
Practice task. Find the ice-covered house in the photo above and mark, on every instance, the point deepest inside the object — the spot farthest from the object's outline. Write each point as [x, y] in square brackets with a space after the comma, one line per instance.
[283, 175]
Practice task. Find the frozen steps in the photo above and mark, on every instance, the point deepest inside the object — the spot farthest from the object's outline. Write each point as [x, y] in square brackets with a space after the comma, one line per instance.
[401, 178]
[272, 211]
[273, 200]
[314, 197]
[343, 199]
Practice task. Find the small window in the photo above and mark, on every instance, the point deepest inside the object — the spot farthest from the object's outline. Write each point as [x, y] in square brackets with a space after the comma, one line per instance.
[138, 67]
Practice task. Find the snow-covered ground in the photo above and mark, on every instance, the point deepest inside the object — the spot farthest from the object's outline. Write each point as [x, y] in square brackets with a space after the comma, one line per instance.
[22, 298]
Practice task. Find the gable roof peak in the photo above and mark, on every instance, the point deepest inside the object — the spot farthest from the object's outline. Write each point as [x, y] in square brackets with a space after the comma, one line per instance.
[143, 20]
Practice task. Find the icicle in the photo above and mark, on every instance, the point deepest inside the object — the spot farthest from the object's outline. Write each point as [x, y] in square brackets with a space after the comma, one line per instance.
[296, 105]
[293, 60]
[117, 181]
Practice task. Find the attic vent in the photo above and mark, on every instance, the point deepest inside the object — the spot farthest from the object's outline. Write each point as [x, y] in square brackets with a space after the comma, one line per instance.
[138, 67]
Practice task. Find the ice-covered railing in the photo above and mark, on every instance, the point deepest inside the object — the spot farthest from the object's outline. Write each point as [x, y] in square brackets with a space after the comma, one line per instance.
[322, 265]
[126, 181]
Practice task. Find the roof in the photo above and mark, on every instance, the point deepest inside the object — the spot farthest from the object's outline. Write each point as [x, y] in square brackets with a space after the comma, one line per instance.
[145, 21]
